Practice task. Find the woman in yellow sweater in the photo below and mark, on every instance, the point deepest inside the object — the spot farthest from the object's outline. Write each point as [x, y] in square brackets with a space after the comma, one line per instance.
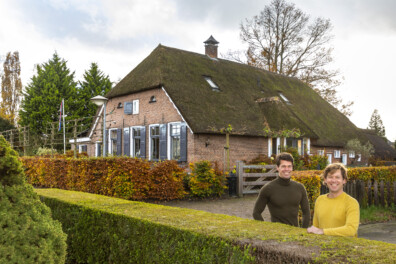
[336, 213]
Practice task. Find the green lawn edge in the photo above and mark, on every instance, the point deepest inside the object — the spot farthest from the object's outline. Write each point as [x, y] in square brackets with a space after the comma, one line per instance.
[327, 249]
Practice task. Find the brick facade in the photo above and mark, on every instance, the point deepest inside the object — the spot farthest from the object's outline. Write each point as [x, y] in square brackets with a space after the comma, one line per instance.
[163, 111]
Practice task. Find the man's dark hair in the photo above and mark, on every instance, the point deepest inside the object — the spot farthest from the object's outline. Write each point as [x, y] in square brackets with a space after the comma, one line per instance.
[284, 156]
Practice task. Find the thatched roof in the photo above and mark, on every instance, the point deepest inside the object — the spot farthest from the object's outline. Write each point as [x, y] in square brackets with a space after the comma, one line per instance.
[246, 100]
[381, 147]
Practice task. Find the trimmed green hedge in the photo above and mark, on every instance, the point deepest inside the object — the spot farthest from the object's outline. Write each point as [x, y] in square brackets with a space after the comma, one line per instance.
[109, 230]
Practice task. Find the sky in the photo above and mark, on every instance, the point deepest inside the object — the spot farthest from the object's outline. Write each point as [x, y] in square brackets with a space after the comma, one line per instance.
[119, 34]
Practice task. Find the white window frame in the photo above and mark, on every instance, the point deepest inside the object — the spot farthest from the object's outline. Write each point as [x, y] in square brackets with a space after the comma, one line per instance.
[169, 138]
[269, 147]
[308, 146]
[330, 157]
[80, 148]
[132, 140]
[344, 159]
[321, 152]
[97, 154]
[149, 139]
[211, 83]
[110, 143]
[359, 157]
[337, 153]
[135, 107]
[352, 154]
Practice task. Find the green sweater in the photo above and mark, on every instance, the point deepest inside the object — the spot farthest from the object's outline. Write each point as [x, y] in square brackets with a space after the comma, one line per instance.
[283, 197]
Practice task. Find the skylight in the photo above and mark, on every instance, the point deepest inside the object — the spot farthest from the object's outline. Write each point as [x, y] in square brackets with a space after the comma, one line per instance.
[211, 83]
[284, 98]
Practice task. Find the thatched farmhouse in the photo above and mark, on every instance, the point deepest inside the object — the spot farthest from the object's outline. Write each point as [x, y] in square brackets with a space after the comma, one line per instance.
[178, 105]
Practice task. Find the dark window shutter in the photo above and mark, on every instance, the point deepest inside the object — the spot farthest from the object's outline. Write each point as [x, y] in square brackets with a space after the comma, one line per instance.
[183, 142]
[127, 145]
[143, 142]
[106, 143]
[128, 108]
[163, 150]
[99, 150]
[119, 142]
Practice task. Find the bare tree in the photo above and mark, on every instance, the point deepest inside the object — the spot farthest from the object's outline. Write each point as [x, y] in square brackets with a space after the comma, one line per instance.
[11, 88]
[281, 39]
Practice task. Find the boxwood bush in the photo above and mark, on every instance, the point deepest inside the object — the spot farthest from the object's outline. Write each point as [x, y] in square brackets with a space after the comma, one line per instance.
[28, 234]
[110, 230]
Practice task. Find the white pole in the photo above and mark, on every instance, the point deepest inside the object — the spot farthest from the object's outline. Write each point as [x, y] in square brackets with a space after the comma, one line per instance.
[104, 130]
[64, 127]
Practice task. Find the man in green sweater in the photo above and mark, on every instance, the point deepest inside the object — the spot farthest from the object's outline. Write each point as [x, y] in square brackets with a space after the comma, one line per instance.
[283, 196]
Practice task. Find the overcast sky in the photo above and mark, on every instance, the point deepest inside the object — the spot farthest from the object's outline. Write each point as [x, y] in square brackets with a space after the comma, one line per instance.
[118, 34]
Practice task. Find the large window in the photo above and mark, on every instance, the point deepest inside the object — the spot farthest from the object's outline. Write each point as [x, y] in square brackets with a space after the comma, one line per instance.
[98, 149]
[114, 141]
[295, 143]
[136, 135]
[154, 142]
[175, 141]
[337, 154]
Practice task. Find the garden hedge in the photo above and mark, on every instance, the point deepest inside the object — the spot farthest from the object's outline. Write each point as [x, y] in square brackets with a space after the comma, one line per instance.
[109, 230]
[127, 178]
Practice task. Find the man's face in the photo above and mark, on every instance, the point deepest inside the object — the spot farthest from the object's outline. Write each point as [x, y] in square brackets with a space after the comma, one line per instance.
[285, 168]
[335, 182]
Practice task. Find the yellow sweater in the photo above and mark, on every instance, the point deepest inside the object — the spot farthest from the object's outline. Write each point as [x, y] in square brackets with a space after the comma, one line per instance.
[337, 216]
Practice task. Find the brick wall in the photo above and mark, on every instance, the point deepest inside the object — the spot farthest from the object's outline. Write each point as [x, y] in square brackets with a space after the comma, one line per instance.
[211, 147]
[160, 112]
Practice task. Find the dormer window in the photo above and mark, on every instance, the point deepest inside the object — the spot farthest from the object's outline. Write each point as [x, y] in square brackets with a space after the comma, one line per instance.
[211, 83]
[284, 98]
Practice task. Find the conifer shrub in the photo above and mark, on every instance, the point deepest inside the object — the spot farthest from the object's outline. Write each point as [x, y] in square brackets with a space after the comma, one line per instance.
[206, 181]
[28, 234]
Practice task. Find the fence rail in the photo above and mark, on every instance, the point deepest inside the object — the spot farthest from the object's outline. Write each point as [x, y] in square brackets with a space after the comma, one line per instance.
[250, 181]
[367, 193]
[26, 141]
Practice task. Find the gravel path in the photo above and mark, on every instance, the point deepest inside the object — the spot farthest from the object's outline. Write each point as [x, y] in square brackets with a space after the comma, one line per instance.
[241, 207]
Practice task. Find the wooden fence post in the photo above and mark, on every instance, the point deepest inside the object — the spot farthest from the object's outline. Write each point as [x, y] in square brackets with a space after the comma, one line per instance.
[382, 194]
[389, 194]
[369, 196]
[394, 192]
[239, 170]
[376, 202]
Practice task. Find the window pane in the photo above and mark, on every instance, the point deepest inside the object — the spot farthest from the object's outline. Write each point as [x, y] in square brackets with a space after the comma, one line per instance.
[155, 131]
[137, 148]
[136, 132]
[155, 148]
[175, 130]
[176, 148]
[113, 134]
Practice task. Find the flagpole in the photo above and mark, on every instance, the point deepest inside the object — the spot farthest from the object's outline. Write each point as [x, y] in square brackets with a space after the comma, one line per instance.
[64, 127]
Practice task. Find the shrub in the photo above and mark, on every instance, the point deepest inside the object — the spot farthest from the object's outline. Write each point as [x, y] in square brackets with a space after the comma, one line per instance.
[45, 151]
[28, 233]
[205, 181]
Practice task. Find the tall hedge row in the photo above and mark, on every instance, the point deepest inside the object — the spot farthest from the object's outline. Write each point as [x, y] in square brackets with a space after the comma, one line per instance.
[127, 178]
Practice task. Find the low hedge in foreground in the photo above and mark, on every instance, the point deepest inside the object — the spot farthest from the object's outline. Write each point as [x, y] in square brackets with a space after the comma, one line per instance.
[109, 230]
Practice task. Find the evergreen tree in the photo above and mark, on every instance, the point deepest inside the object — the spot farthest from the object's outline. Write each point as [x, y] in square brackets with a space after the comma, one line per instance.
[376, 124]
[44, 94]
[11, 88]
[5, 124]
[94, 83]
[28, 232]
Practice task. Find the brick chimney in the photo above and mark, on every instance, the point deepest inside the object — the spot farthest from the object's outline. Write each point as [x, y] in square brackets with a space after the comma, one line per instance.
[211, 47]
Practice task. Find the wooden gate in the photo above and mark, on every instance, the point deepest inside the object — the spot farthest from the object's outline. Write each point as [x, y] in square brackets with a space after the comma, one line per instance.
[252, 177]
